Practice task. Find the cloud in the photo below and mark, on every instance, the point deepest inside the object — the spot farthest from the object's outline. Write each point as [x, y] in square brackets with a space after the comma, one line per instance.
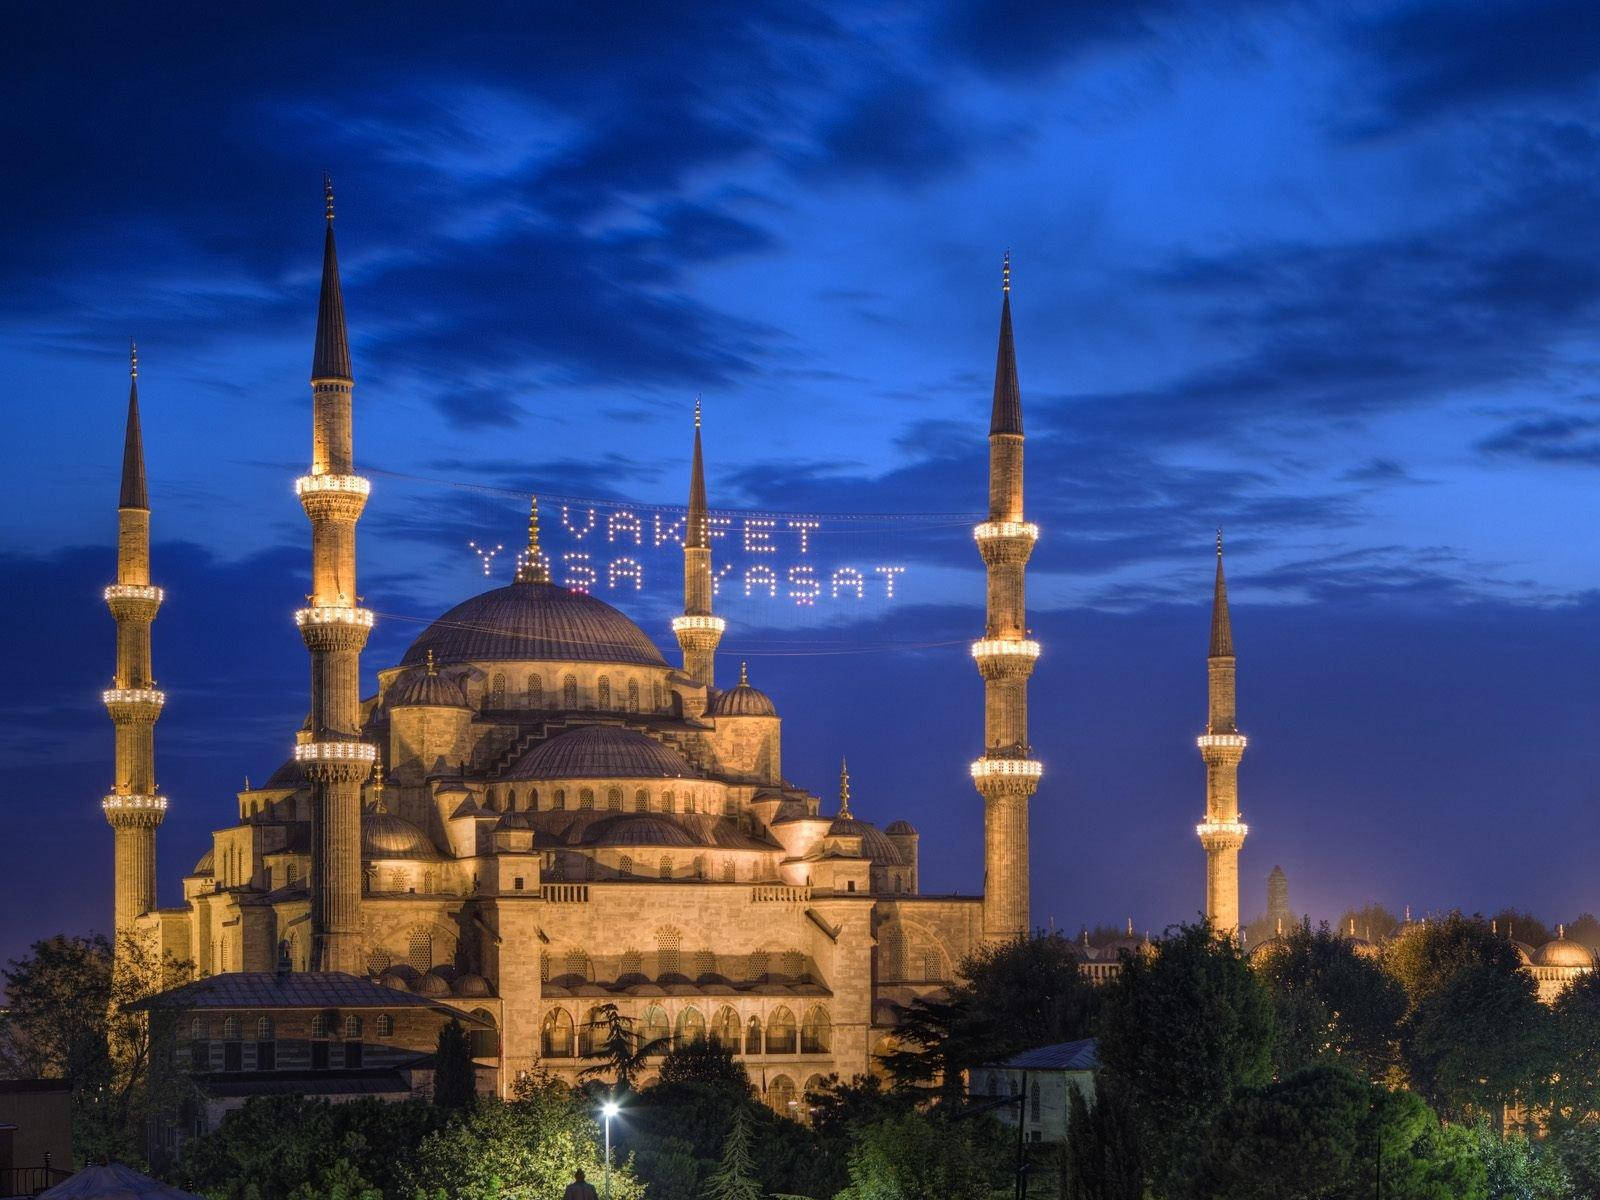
[1556, 439]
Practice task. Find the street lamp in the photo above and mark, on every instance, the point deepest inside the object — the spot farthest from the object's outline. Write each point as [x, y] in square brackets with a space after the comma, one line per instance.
[608, 1110]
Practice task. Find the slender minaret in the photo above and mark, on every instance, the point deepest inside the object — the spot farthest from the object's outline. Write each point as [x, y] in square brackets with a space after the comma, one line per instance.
[1005, 776]
[133, 809]
[1222, 746]
[335, 628]
[698, 631]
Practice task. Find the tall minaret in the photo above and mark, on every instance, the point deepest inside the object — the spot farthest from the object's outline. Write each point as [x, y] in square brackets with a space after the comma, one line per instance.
[1222, 746]
[698, 630]
[335, 628]
[133, 808]
[1005, 776]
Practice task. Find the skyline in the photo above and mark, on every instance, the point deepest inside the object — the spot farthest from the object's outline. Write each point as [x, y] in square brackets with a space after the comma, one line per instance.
[1413, 607]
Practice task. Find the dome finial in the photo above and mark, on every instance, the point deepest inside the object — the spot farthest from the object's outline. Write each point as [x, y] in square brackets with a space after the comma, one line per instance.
[1130, 926]
[530, 563]
[133, 359]
[1005, 273]
[327, 193]
[433, 668]
[697, 410]
[844, 788]
[744, 673]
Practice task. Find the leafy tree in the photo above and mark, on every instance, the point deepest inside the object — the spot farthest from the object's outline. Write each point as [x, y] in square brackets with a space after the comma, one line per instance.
[292, 1148]
[622, 1053]
[926, 1157]
[1425, 956]
[522, 1150]
[1326, 1134]
[705, 1061]
[454, 1079]
[1103, 1159]
[1331, 1005]
[930, 1048]
[1522, 925]
[734, 1178]
[1373, 922]
[839, 1111]
[1517, 1168]
[1184, 1030]
[1579, 1150]
[1585, 931]
[1576, 1086]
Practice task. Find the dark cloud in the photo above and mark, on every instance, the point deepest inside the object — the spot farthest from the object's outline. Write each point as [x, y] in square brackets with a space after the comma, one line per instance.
[1014, 39]
[1558, 439]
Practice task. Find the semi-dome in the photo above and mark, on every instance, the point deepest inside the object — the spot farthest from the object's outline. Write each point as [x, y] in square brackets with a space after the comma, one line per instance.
[534, 622]
[875, 844]
[426, 687]
[384, 835]
[900, 829]
[601, 752]
[433, 985]
[470, 983]
[639, 829]
[1563, 953]
[205, 866]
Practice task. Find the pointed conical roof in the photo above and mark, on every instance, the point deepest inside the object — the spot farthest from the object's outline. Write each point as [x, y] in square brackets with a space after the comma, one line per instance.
[331, 357]
[1007, 416]
[134, 492]
[1221, 625]
[695, 533]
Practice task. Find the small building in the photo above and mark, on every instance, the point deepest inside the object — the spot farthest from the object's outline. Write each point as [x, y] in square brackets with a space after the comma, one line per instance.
[1043, 1080]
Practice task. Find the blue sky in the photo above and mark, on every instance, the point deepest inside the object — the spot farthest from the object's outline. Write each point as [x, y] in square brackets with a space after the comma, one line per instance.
[1325, 274]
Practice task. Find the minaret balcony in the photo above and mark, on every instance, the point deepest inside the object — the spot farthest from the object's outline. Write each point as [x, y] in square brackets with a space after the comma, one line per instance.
[332, 497]
[134, 591]
[133, 704]
[698, 624]
[1007, 768]
[333, 614]
[125, 808]
[1222, 835]
[1005, 542]
[354, 485]
[133, 601]
[331, 628]
[1221, 741]
[335, 751]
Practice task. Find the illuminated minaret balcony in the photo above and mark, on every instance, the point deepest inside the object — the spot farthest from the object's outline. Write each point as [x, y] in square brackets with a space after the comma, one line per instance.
[1222, 741]
[1222, 835]
[334, 614]
[699, 624]
[129, 705]
[123, 808]
[340, 750]
[1001, 542]
[333, 497]
[1005, 658]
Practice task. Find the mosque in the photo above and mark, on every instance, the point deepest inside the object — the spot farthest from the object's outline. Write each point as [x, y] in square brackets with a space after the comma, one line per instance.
[537, 815]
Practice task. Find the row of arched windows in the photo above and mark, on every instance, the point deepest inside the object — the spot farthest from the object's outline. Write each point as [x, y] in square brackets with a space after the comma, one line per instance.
[626, 697]
[561, 1037]
[670, 961]
[508, 798]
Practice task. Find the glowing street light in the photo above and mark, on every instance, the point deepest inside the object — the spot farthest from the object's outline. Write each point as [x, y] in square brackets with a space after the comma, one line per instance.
[608, 1110]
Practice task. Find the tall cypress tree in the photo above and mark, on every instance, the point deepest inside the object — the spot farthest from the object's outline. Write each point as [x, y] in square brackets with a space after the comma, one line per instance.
[453, 1082]
[735, 1176]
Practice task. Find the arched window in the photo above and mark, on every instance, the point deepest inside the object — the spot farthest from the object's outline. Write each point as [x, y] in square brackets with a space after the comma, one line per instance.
[752, 1036]
[667, 801]
[780, 1032]
[352, 1026]
[730, 807]
[669, 957]
[197, 1028]
[385, 1025]
[578, 963]
[497, 691]
[292, 873]
[230, 1029]
[794, 964]
[633, 695]
[569, 692]
[641, 801]
[1033, 1101]
[535, 690]
[655, 696]
[759, 964]
[691, 1026]
[420, 951]
[263, 1029]
[699, 866]
[705, 963]
[321, 1027]
[602, 692]
[891, 954]
[816, 1031]
[632, 962]
[614, 799]
[625, 865]
[586, 799]
[666, 866]
[689, 804]
[727, 870]
[725, 1028]
[560, 800]
[555, 1038]
[781, 1095]
[592, 1032]
[656, 1028]
[932, 965]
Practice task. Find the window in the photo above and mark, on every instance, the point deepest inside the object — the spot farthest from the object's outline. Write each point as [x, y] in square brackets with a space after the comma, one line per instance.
[815, 1031]
[759, 965]
[233, 1056]
[780, 1032]
[633, 695]
[641, 801]
[321, 1027]
[569, 692]
[666, 866]
[932, 966]
[727, 870]
[625, 865]
[655, 696]
[632, 962]
[891, 954]
[420, 951]
[544, 966]
[264, 1029]
[1033, 1101]
[266, 1055]
[197, 1028]
[656, 1028]
[705, 963]
[850, 885]
[725, 1028]
[200, 1055]
[780, 1094]
[752, 1036]
[614, 799]
[535, 691]
[292, 874]
[667, 802]
[668, 955]
[497, 691]
[689, 804]
[560, 800]
[586, 799]
[794, 964]
[352, 1026]
[319, 1056]
[603, 692]
[691, 1026]
[352, 1055]
[578, 963]
[592, 1032]
[555, 1038]
[385, 1025]
[517, 884]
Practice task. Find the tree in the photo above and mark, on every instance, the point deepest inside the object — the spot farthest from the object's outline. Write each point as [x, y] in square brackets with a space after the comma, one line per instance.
[1330, 1004]
[1579, 1151]
[1522, 925]
[1585, 931]
[1426, 955]
[1576, 1088]
[1102, 1159]
[1517, 1168]
[705, 1061]
[1373, 922]
[621, 1052]
[455, 1082]
[1185, 1030]
[734, 1178]
[926, 1157]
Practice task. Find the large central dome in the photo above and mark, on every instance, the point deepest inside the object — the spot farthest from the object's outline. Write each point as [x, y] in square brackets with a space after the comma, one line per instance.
[537, 622]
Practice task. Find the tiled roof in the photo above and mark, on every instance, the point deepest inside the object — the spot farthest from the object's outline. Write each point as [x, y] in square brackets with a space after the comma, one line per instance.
[1081, 1055]
[295, 989]
[602, 752]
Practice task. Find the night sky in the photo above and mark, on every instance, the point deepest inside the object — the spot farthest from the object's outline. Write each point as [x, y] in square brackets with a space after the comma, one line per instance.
[1327, 275]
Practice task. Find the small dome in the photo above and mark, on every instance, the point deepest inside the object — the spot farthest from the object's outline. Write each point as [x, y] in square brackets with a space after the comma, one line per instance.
[384, 835]
[205, 866]
[432, 984]
[537, 622]
[900, 829]
[1562, 953]
[601, 752]
[426, 686]
[394, 979]
[639, 829]
[742, 700]
[471, 984]
[875, 844]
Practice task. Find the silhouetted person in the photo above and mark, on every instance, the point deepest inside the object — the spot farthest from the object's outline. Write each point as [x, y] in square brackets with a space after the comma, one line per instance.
[578, 1189]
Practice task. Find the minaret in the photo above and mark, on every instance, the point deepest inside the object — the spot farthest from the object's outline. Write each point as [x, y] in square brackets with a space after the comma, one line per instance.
[698, 631]
[335, 628]
[844, 790]
[1006, 776]
[133, 809]
[1222, 746]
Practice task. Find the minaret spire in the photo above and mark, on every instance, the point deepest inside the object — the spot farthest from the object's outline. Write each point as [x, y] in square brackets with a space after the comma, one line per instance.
[1007, 774]
[532, 568]
[844, 788]
[335, 628]
[698, 630]
[1222, 747]
[133, 808]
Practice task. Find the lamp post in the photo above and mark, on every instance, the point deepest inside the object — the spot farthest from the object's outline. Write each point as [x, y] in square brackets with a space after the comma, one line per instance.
[608, 1110]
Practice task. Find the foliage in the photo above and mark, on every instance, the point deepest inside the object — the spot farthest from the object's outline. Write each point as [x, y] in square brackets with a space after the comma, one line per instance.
[1185, 1030]
[1517, 1168]
[705, 1061]
[734, 1178]
[292, 1148]
[926, 1157]
[1326, 1134]
[1576, 1087]
[1523, 926]
[1330, 1004]
[1373, 922]
[1103, 1159]
[522, 1150]
[1579, 1151]
[1478, 1041]
[1425, 956]
[621, 1052]
[1585, 930]
[454, 1079]
[1010, 996]
[67, 1018]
